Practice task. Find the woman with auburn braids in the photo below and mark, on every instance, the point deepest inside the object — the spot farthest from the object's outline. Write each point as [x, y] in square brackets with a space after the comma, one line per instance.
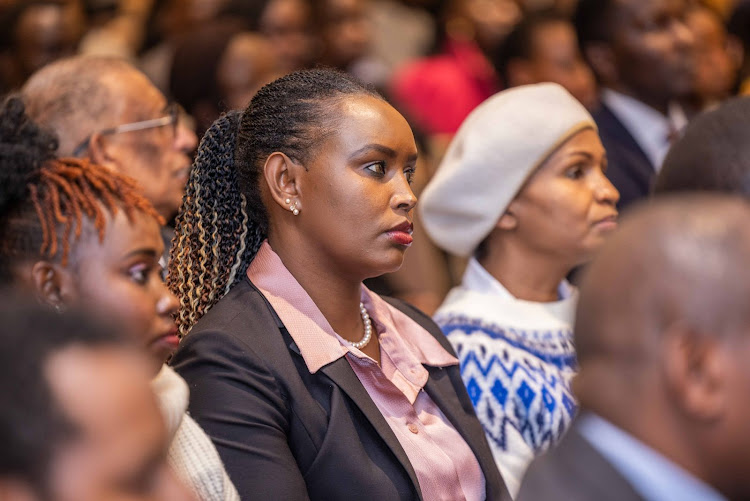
[78, 234]
[311, 386]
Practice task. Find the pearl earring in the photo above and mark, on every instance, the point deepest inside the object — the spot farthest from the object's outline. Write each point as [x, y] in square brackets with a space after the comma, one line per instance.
[294, 209]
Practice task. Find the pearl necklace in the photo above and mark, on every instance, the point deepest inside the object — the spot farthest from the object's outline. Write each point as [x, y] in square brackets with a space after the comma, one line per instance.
[368, 329]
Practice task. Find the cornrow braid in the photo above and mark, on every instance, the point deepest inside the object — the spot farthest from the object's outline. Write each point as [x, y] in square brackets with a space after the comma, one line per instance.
[223, 222]
[44, 200]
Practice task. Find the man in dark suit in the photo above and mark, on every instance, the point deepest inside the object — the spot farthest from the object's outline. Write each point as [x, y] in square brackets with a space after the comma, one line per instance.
[640, 51]
[663, 339]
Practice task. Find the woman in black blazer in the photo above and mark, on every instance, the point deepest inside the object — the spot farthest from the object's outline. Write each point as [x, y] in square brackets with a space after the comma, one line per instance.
[305, 380]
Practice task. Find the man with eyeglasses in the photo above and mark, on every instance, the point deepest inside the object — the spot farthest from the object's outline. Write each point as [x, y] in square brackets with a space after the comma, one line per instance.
[106, 110]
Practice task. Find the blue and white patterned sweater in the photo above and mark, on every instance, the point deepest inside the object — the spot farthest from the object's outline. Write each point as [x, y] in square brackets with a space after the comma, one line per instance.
[517, 361]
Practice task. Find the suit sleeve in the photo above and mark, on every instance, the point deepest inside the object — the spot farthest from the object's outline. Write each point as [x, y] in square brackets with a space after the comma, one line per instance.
[237, 401]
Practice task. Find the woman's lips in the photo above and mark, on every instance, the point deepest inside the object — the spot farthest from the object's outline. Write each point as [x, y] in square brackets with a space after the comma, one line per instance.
[607, 223]
[401, 234]
[400, 237]
[169, 340]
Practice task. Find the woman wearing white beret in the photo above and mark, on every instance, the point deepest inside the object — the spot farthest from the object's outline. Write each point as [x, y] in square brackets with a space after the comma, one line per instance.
[522, 192]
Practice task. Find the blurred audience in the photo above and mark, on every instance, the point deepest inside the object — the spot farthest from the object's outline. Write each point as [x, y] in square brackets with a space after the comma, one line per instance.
[718, 56]
[543, 48]
[403, 30]
[522, 174]
[79, 421]
[106, 110]
[218, 68]
[168, 23]
[246, 65]
[663, 338]
[288, 25]
[641, 53]
[738, 26]
[35, 33]
[438, 92]
[345, 33]
[522, 191]
[79, 235]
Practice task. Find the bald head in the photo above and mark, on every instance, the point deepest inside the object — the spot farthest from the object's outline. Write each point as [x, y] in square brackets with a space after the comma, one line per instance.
[80, 95]
[663, 334]
[677, 260]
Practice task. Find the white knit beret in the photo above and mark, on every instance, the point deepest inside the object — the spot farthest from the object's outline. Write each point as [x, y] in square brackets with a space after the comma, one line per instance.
[496, 149]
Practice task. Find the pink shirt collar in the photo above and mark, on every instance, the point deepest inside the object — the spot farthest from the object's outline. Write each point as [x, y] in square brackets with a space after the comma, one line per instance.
[319, 345]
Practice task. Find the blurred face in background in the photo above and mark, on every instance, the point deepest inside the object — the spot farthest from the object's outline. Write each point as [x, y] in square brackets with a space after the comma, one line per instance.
[45, 33]
[246, 65]
[487, 22]
[717, 55]
[652, 50]
[287, 24]
[555, 57]
[345, 31]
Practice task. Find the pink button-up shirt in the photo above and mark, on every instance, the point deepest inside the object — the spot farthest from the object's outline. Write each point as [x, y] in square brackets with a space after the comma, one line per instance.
[444, 464]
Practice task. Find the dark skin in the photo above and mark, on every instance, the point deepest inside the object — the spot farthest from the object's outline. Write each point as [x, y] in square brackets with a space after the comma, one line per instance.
[119, 277]
[45, 33]
[350, 193]
[649, 52]
[557, 221]
[555, 57]
[663, 324]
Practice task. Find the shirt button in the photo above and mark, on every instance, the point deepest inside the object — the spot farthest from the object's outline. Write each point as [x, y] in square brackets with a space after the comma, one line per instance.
[413, 428]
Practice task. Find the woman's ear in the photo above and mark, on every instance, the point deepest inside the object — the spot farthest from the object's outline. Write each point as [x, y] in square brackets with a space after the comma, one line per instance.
[53, 284]
[282, 178]
[508, 221]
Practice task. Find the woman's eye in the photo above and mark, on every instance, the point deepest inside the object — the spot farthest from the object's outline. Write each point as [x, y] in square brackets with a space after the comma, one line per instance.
[377, 168]
[139, 274]
[575, 172]
[409, 175]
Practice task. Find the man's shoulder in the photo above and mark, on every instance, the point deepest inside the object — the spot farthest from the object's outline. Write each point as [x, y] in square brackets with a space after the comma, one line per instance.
[574, 471]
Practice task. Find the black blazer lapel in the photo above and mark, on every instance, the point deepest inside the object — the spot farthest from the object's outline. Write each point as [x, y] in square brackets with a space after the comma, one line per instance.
[342, 374]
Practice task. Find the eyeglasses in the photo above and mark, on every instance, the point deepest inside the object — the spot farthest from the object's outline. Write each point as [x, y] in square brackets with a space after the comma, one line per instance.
[172, 118]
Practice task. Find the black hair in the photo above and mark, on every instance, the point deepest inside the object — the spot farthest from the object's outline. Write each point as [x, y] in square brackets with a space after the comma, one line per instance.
[594, 21]
[713, 154]
[194, 69]
[222, 221]
[519, 44]
[739, 26]
[33, 427]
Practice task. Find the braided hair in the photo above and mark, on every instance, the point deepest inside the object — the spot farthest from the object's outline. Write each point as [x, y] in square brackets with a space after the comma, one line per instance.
[222, 221]
[43, 199]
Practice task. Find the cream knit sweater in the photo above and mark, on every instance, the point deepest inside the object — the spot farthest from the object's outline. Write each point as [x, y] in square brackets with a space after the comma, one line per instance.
[192, 455]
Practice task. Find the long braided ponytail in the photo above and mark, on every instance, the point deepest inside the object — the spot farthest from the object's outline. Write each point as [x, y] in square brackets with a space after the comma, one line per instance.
[222, 221]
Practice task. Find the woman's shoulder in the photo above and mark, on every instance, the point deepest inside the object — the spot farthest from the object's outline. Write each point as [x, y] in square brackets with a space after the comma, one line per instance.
[241, 328]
